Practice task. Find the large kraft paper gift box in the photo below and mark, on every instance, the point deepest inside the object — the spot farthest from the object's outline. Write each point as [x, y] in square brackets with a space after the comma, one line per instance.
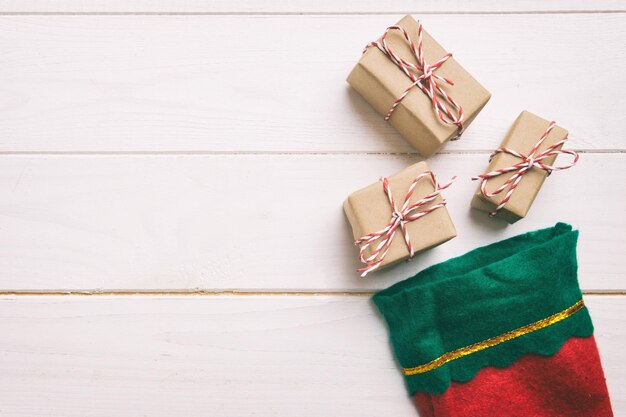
[368, 210]
[380, 82]
[522, 136]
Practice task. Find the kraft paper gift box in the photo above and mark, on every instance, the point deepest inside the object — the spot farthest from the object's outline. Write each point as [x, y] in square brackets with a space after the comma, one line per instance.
[522, 137]
[380, 82]
[368, 210]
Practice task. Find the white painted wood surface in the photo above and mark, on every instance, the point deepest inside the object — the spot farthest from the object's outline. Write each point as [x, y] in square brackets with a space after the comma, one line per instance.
[258, 222]
[220, 356]
[307, 6]
[164, 146]
[277, 83]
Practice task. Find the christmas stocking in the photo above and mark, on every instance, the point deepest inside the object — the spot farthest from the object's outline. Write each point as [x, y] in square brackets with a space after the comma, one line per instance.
[500, 331]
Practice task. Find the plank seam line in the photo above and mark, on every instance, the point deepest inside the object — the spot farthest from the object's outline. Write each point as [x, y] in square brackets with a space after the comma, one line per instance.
[270, 153]
[312, 13]
[208, 293]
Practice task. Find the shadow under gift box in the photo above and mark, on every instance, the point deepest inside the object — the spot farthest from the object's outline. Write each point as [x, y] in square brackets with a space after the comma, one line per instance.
[523, 135]
[368, 210]
[380, 82]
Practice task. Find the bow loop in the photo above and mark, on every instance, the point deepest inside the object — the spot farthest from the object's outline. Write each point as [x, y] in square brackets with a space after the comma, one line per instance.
[399, 219]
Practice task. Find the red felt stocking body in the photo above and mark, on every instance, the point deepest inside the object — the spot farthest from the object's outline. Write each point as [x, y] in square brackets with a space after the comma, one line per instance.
[568, 384]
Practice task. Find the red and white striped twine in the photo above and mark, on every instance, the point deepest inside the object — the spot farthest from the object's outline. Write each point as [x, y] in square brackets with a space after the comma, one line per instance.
[533, 160]
[399, 219]
[423, 76]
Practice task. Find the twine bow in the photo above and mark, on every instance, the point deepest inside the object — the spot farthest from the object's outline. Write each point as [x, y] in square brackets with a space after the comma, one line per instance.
[424, 77]
[399, 219]
[530, 161]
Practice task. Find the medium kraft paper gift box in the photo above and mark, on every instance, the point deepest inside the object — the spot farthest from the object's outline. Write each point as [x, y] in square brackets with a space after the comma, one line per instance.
[368, 210]
[380, 82]
[522, 136]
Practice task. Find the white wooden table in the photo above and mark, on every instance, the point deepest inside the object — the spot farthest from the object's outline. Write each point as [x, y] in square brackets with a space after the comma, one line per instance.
[171, 178]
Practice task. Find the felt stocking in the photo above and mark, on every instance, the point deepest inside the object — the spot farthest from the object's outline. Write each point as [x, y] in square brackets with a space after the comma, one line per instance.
[500, 331]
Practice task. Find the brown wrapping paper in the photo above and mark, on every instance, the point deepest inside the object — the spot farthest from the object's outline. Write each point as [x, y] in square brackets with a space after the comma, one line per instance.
[523, 135]
[380, 82]
[368, 210]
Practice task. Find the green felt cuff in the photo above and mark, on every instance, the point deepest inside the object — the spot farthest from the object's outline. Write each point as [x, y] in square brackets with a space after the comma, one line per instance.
[480, 296]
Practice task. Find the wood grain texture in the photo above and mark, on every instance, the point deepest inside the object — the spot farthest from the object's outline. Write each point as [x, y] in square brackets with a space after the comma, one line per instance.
[265, 84]
[259, 222]
[213, 151]
[304, 6]
[226, 356]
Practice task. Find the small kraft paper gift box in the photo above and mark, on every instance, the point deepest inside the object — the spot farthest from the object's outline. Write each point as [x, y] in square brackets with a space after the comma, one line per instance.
[399, 216]
[518, 168]
[417, 86]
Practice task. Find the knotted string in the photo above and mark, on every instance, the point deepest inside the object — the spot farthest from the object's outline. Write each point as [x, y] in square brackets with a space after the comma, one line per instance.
[424, 77]
[399, 219]
[533, 160]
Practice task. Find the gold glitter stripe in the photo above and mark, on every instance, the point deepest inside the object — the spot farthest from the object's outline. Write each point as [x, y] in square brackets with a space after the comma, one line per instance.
[493, 341]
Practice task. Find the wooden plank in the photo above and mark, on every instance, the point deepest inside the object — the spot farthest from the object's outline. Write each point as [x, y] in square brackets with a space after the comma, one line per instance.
[304, 6]
[259, 222]
[226, 356]
[198, 83]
